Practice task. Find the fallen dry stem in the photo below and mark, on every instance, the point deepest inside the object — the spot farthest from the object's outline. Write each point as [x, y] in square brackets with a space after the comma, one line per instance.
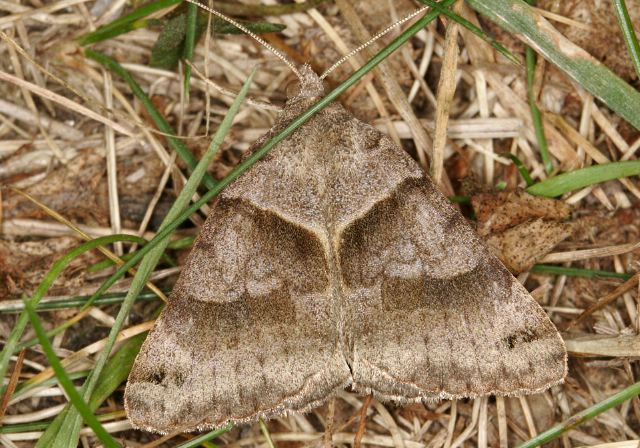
[13, 382]
[357, 440]
[606, 300]
[113, 257]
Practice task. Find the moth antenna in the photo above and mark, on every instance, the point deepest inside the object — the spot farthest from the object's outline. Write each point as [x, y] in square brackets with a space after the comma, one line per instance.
[372, 40]
[257, 103]
[250, 33]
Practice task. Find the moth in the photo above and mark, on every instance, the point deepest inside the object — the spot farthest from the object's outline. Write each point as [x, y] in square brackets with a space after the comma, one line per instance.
[333, 262]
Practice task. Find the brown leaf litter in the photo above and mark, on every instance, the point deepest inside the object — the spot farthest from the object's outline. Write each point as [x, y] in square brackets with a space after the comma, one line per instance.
[58, 155]
[519, 228]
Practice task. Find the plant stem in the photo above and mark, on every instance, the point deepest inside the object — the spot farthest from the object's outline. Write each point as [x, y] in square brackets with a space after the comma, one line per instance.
[583, 416]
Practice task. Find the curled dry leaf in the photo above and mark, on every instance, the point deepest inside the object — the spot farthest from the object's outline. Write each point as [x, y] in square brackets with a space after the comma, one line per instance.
[499, 211]
[520, 228]
[521, 246]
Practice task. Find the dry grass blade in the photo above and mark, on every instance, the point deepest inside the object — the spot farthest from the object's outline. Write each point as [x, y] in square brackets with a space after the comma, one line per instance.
[11, 386]
[39, 228]
[355, 63]
[65, 102]
[606, 300]
[502, 422]
[386, 77]
[446, 89]
[451, 427]
[77, 357]
[589, 148]
[624, 444]
[329, 424]
[585, 254]
[113, 257]
[48, 85]
[390, 424]
[159, 441]
[601, 345]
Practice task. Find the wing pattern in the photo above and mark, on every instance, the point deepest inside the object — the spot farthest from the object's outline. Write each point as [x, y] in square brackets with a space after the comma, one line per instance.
[335, 261]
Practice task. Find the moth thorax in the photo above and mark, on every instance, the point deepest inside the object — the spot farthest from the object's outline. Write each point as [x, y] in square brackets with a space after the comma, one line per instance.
[309, 85]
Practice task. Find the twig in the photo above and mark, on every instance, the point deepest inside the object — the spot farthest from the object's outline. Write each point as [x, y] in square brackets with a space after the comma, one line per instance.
[13, 382]
[613, 295]
[357, 440]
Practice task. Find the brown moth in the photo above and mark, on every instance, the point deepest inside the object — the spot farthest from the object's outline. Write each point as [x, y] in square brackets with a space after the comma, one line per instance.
[335, 261]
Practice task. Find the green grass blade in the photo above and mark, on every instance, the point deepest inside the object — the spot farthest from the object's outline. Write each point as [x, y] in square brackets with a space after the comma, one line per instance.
[182, 243]
[43, 287]
[178, 146]
[518, 18]
[577, 272]
[79, 301]
[116, 370]
[189, 43]
[114, 373]
[23, 427]
[125, 23]
[74, 396]
[64, 303]
[72, 418]
[584, 177]
[136, 20]
[220, 26]
[197, 441]
[536, 116]
[628, 33]
[583, 416]
[524, 172]
[107, 262]
[25, 387]
[457, 199]
[473, 28]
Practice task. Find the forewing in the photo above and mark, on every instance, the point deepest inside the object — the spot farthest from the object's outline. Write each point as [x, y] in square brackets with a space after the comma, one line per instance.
[249, 330]
[432, 312]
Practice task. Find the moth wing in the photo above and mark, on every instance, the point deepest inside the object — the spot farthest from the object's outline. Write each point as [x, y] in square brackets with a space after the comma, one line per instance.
[432, 312]
[248, 331]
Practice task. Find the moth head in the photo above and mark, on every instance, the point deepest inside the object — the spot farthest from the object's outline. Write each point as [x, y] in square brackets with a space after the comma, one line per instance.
[308, 85]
